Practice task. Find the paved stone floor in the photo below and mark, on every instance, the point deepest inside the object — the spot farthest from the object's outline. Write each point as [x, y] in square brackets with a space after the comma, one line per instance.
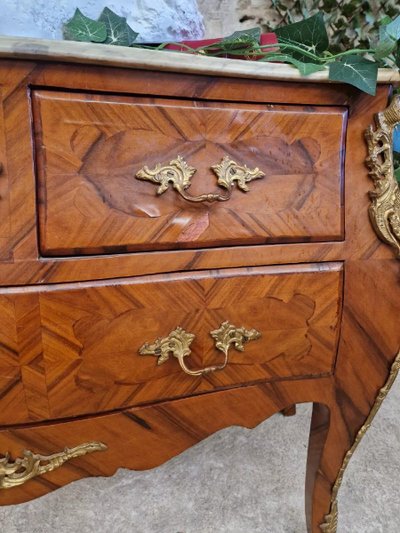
[237, 481]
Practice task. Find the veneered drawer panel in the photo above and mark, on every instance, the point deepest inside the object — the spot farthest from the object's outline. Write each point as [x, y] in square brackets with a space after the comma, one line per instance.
[138, 438]
[12, 397]
[90, 333]
[90, 148]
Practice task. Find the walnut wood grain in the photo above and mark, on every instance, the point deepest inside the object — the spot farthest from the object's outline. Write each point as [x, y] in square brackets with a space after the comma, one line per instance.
[156, 433]
[22, 243]
[12, 398]
[90, 147]
[4, 192]
[289, 411]
[369, 337]
[89, 335]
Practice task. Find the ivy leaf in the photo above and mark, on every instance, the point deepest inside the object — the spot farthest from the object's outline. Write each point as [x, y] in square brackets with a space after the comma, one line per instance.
[389, 33]
[241, 39]
[308, 68]
[385, 21]
[391, 30]
[357, 71]
[309, 34]
[118, 30]
[304, 68]
[384, 48]
[81, 28]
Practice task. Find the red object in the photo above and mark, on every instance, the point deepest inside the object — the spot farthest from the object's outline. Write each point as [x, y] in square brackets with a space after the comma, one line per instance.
[265, 38]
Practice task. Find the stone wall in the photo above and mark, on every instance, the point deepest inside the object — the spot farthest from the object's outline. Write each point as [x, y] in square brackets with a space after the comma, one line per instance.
[155, 20]
[223, 17]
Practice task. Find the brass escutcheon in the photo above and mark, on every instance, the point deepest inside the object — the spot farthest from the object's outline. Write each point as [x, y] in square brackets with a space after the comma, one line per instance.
[178, 344]
[178, 173]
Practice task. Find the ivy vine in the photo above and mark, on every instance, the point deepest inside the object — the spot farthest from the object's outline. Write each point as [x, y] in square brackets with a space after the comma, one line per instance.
[304, 44]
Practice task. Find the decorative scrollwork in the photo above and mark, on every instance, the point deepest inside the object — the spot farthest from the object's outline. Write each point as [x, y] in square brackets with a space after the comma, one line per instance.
[18, 472]
[331, 519]
[384, 210]
[178, 173]
[228, 334]
[178, 344]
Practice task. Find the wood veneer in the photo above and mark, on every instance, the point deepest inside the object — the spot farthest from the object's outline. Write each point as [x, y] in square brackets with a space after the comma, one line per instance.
[91, 146]
[89, 334]
[368, 339]
[143, 438]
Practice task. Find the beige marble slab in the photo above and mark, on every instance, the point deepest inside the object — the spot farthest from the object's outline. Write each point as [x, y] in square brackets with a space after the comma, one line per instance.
[135, 58]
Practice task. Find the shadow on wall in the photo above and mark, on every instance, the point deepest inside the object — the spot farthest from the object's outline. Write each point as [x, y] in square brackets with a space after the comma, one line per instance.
[154, 20]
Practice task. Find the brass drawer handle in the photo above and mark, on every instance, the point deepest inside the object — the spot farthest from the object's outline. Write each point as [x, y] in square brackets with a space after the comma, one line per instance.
[179, 173]
[18, 472]
[178, 344]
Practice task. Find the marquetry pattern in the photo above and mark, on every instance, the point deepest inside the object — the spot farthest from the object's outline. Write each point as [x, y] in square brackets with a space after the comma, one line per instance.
[90, 148]
[18, 172]
[18, 165]
[90, 335]
[299, 197]
[5, 252]
[29, 335]
[12, 398]
[146, 437]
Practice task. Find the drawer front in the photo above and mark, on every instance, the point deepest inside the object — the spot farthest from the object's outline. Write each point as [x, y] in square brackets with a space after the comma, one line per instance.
[139, 438]
[91, 333]
[91, 148]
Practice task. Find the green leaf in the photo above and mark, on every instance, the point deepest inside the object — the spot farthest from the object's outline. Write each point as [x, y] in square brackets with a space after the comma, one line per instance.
[304, 68]
[397, 56]
[308, 68]
[385, 21]
[118, 30]
[309, 34]
[391, 30]
[81, 28]
[357, 71]
[384, 48]
[241, 39]
[389, 34]
[397, 174]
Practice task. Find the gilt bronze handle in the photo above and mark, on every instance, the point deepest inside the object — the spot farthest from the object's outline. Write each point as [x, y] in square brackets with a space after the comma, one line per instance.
[179, 173]
[18, 472]
[178, 344]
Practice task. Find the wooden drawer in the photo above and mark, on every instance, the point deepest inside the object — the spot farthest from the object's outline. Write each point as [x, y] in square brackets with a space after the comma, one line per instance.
[87, 335]
[139, 438]
[91, 147]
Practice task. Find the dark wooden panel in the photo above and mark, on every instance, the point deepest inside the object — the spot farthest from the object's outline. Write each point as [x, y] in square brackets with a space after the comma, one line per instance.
[91, 147]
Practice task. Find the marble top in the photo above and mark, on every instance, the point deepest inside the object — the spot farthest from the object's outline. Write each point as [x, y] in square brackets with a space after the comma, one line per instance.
[136, 58]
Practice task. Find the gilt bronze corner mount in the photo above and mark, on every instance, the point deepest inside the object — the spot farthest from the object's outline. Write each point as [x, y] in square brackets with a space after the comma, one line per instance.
[384, 210]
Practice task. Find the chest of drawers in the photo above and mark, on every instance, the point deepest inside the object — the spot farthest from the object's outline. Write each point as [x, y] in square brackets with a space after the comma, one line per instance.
[185, 245]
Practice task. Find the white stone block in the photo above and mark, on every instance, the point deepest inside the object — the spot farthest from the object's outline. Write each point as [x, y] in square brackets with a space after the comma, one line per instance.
[154, 20]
